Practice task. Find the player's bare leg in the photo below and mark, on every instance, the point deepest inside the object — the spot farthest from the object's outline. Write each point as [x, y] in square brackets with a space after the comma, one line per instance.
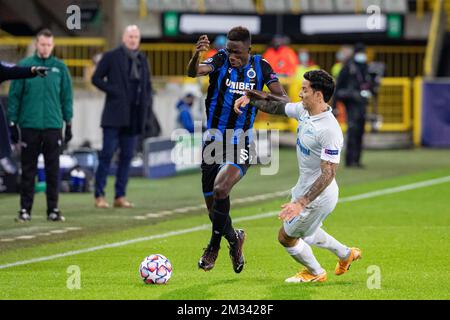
[301, 252]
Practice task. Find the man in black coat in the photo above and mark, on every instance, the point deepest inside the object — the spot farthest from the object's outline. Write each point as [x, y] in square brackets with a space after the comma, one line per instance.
[123, 74]
[10, 72]
[354, 87]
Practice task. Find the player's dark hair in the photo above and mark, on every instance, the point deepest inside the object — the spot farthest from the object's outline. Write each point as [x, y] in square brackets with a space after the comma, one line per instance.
[44, 33]
[320, 80]
[240, 34]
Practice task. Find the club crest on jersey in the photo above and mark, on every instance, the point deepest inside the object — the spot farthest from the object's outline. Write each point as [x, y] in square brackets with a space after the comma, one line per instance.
[251, 73]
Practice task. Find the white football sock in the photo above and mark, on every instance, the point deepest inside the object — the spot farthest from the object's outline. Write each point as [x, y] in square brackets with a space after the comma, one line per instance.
[322, 239]
[303, 254]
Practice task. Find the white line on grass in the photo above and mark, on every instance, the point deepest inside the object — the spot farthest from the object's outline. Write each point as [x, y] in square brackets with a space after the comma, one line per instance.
[367, 195]
[32, 236]
[163, 213]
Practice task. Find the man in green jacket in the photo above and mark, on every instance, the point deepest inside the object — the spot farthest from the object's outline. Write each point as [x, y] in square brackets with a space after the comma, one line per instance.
[39, 106]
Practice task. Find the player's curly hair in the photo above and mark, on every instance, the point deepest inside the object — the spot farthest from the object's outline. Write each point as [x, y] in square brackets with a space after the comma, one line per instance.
[240, 34]
[322, 81]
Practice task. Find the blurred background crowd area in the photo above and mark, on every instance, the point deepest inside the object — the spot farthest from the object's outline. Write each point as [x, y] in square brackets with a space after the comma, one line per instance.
[408, 39]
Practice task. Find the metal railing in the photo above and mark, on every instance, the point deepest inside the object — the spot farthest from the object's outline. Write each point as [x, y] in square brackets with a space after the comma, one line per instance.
[394, 105]
[169, 61]
[401, 61]
[77, 53]
[417, 111]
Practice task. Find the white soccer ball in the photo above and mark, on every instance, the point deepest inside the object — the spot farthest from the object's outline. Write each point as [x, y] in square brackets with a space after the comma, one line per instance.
[155, 269]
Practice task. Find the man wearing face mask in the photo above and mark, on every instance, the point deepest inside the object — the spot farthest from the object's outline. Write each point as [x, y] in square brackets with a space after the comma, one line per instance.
[342, 56]
[354, 87]
[281, 57]
[305, 64]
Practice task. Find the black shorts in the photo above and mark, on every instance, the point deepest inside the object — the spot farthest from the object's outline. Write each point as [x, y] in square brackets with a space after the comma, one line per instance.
[216, 155]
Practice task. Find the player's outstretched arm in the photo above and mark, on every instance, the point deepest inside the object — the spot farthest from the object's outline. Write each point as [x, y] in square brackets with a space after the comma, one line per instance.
[277, 92]
[194, 69]
[266, 102]
[290, 210]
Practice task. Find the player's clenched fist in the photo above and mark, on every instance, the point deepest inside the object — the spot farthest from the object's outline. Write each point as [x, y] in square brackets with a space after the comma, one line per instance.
[202, 44]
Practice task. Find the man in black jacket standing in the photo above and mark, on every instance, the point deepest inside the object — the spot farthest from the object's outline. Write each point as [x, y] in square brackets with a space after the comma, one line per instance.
[123, 74]
[354, 87]
[10, 72]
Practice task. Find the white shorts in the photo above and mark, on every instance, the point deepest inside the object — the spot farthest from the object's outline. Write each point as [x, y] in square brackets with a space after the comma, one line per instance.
[314, 214]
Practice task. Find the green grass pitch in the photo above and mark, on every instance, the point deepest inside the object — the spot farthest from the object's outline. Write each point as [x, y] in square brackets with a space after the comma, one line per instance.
[404, 235]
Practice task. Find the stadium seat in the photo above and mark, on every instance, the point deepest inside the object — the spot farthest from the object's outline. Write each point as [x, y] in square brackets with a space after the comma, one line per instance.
[154, 5]
[173, 5]
[243, 6]
[397, 6]
[345, 6]
[130, 5]
[320, 6]
[276, 6]
[217, 5]
[192, 5]
[180, 5]
[304, 5]
[366, 3]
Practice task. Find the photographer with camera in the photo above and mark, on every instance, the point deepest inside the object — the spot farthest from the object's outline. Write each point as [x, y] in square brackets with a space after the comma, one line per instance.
[354, 88]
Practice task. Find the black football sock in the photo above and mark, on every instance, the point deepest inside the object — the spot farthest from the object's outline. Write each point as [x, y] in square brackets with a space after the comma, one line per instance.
[211, 216]
[228, 232]
[221, 210]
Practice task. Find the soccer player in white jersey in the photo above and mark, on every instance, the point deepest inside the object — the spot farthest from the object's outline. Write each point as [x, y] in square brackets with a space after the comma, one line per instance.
[314, 197]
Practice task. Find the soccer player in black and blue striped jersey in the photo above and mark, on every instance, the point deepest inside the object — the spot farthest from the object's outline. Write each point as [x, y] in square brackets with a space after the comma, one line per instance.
[228, 148]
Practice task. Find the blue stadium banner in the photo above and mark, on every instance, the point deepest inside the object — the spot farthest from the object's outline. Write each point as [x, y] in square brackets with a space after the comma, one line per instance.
[436, 114]
[157, 158]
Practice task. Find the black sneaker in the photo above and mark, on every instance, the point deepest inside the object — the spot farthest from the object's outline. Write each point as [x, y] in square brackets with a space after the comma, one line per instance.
[236, 255]
[55, 215]
[208, 258]
[24, 216]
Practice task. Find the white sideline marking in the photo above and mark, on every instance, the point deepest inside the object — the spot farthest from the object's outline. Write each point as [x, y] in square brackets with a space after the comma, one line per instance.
[58, 231]
[367, 195]
[405, 187]
[41, 234]
[265, 196]
[25, 237]
[72, 228]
